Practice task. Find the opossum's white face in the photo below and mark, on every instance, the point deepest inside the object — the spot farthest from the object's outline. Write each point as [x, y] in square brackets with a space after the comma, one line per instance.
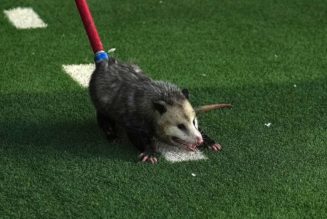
[177, 125]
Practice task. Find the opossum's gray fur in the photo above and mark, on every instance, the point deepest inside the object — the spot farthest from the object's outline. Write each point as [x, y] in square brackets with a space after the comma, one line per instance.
[119, 90]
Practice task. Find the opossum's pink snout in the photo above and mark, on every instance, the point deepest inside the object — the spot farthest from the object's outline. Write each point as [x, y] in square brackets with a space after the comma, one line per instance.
[199, 140]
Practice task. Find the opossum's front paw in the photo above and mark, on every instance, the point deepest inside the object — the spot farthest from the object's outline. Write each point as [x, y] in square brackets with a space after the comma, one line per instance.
[215, 147]
[150, 157]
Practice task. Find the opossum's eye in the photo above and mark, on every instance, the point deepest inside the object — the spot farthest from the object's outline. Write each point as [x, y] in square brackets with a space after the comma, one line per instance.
[181, 127]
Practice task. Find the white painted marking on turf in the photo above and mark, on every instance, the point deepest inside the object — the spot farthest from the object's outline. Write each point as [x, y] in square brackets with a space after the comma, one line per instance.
[268, 124]
[82, 73]
[24, 18]
[175, 154]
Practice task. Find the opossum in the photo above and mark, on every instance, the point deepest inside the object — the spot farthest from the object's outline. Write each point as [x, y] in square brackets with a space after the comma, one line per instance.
[128, 101]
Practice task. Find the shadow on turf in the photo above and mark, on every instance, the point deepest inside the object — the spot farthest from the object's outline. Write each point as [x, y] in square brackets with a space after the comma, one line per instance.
[66, 122]
[80, 139]
[34, 122]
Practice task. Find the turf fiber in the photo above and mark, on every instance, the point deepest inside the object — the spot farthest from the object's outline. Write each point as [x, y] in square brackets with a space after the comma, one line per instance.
[267, 58]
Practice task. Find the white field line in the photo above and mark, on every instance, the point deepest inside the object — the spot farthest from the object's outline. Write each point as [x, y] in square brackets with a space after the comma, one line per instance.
[174, 154]
[24, 18]
[82, 73]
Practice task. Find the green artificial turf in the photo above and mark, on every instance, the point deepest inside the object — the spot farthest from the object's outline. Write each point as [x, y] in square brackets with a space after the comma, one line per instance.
[55, 162]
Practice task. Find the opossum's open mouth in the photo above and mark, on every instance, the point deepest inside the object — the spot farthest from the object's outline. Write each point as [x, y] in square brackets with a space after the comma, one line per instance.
[180, 142]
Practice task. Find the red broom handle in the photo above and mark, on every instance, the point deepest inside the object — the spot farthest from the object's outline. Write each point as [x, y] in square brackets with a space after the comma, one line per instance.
[89, 25]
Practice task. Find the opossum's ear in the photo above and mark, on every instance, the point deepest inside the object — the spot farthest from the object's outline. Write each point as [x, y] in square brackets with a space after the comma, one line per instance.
[160, 106]
[186, 93]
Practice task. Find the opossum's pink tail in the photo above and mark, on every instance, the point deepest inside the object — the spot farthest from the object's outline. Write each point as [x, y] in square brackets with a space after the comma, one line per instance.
[207, 108]
[91, 30]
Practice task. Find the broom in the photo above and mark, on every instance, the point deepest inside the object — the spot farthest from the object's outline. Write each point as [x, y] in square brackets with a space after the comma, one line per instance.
[91, 31]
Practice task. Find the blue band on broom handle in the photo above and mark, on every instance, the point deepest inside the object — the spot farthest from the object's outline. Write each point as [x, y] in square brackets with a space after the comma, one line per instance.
[100, 56]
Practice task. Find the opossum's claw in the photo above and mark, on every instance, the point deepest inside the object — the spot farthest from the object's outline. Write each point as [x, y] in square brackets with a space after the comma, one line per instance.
[153, 160]
[215, 147]
[148, 157]
[145, 158]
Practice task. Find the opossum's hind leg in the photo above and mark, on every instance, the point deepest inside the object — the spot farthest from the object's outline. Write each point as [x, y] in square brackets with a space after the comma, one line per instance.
[209, 142]
[107, 125]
